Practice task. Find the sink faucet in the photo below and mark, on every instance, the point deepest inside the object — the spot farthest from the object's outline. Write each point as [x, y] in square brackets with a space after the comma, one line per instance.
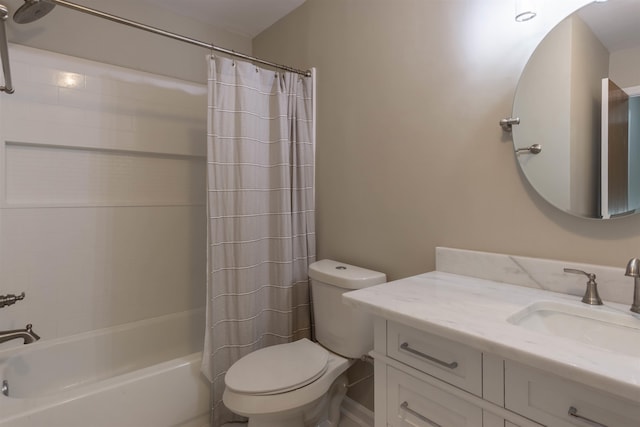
[633, 270]
[27, 334]
[591, 295]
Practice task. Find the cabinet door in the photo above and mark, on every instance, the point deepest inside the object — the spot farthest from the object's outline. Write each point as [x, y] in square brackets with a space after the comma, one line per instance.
[491, 420]
[557, 402]
[414, 403]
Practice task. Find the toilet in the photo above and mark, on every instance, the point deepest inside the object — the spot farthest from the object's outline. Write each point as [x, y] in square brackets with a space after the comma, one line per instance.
[302, 383]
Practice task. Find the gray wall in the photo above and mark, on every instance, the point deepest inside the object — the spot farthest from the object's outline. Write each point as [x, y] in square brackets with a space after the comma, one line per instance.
[77, 34]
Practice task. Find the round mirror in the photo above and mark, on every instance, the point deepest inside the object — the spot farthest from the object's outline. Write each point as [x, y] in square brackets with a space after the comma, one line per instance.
[579, 99]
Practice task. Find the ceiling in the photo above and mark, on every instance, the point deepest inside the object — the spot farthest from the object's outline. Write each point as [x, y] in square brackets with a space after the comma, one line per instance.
[245, 17]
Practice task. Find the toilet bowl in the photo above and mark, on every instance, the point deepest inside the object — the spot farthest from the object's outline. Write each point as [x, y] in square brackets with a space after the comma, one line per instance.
[302, 384]
[306, 378]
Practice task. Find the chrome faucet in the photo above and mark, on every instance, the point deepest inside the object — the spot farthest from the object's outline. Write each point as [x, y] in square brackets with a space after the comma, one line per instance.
[27, 334]
[633, 270]
[6, 300]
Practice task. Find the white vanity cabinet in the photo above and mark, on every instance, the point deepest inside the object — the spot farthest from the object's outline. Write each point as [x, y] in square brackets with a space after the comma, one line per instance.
[428, 381]
[412, 402]
[455, 363]
[450, 351]
[424, 380]
[560, 403]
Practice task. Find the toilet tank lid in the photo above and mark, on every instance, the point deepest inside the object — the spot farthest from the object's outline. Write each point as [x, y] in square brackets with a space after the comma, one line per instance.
[344, 275]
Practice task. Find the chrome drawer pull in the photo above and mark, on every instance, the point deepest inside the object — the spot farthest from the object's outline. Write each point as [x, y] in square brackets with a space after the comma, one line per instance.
[405, 406]
[574, 413]
[405, 346]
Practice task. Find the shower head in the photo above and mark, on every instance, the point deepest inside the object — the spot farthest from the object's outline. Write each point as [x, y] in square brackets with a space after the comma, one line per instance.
[32, 10]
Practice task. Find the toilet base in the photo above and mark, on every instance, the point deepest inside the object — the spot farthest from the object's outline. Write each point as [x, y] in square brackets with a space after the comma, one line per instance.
[324, 412]
[292, 422]
[315, 404]
[327, 411]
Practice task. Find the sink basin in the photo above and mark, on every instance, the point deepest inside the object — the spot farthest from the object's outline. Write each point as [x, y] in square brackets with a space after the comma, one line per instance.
[599, 326]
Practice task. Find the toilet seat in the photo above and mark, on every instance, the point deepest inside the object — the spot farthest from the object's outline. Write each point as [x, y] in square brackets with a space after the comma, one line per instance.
[249, 405]
[278, 369]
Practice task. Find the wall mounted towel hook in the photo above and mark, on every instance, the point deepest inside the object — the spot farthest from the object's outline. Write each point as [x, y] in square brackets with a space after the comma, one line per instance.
[507, 124]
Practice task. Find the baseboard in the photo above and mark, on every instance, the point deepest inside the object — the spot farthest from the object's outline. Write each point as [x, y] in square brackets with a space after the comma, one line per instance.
[355, 415]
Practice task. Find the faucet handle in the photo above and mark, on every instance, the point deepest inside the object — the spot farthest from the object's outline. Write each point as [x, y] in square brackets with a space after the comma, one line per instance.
[591, 296]
[591, 276]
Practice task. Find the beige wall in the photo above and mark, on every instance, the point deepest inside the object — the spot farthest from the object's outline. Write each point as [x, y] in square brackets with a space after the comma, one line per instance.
[77, 34]
[410, 155]
[624, 65]
[409, 152]
[543, 103]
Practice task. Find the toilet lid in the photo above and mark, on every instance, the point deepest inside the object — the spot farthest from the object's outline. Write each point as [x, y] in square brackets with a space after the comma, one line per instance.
[278, 369]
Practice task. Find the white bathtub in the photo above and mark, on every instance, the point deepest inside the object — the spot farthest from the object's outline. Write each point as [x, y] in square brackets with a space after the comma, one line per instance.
[140, 374]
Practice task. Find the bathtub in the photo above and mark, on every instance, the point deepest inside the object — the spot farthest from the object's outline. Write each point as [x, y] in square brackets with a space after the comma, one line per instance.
[141, 374]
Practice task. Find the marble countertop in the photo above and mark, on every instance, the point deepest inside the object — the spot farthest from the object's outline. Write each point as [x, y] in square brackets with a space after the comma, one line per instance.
[474, 311]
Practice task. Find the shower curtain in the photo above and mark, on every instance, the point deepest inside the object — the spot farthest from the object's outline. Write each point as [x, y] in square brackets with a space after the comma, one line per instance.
[260, 208]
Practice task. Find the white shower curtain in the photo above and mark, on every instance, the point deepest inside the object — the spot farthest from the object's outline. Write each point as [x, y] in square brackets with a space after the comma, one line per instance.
[261, 240]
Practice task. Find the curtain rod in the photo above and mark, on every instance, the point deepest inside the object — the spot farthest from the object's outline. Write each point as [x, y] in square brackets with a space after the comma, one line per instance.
[174, 36]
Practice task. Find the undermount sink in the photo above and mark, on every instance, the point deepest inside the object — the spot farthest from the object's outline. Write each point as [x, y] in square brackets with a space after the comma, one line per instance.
[599, 326]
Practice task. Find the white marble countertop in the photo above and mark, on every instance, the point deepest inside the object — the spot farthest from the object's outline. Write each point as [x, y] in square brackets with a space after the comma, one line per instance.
[474, 312]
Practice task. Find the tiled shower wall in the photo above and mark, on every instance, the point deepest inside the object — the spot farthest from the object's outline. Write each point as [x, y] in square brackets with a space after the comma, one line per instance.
[102, 217]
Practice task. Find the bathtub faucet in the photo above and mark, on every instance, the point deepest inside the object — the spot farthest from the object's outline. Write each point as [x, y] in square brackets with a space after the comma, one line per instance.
[10, 299]
[27, 334]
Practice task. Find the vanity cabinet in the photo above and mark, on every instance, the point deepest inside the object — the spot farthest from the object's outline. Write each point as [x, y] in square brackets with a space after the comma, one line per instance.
[560, 403]
[412, 402]
[425, 380]
[455, 363]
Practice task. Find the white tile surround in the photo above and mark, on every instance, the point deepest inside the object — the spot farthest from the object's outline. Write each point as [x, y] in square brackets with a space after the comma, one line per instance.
[101, 194]
[538, 273]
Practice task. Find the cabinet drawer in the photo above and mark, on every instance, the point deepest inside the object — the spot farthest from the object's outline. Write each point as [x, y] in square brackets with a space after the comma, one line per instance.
[447, 360]
[548, 400]
[411, 402]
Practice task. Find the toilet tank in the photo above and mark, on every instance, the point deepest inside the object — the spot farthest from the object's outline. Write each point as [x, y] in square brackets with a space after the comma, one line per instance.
[338, 327]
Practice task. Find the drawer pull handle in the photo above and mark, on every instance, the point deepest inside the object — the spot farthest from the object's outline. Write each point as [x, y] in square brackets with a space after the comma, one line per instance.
[405, 346]
[405, 406]
[574, 413]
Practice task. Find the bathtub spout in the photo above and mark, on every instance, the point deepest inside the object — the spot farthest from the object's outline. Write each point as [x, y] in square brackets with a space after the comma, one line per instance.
[26, 334]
